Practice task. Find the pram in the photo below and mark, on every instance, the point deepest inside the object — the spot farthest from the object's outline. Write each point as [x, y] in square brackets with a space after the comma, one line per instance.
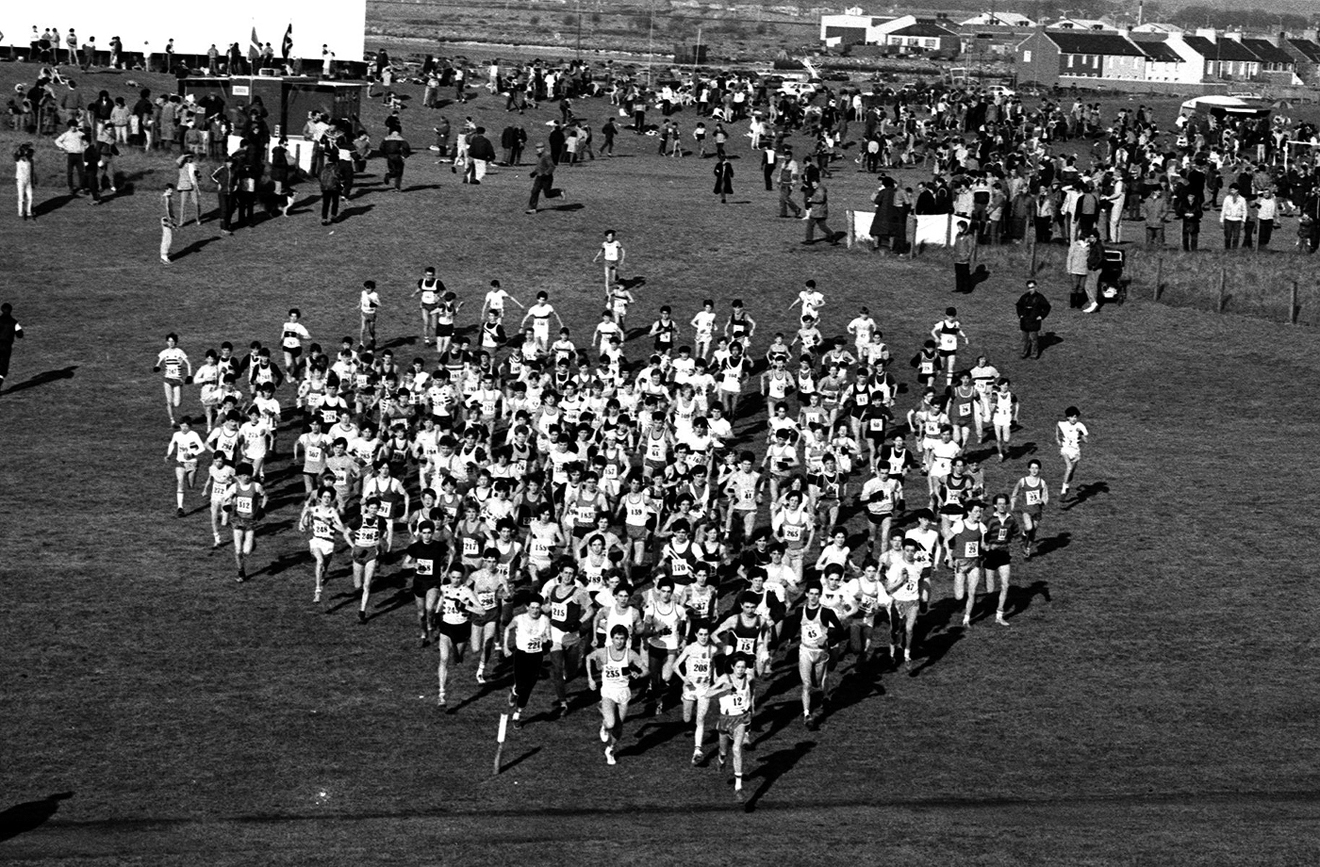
[1113, 285]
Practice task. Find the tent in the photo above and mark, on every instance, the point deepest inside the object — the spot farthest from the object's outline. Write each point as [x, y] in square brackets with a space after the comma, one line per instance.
[1221, 105]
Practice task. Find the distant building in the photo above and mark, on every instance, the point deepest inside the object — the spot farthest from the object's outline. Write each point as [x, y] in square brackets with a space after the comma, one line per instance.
[907, 33]
[1052, 57]
[1223, 56]
[1305, 52]
[998, 19]
[1087, 24]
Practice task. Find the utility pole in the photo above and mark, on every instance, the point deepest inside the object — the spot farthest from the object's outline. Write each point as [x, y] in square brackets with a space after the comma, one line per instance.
[650, 39]
[579, 40]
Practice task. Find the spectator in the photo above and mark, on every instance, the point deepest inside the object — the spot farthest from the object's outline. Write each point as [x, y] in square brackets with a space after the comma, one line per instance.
[1266, 211]
[543, 178]
[331, 185]
[72, 143]
[1156, 212]
[395, 150]
[10, 331]
[964, 250]
[1032, 308]
[24, 176]
[818, 211]
[1233, 215]
[1189, 211]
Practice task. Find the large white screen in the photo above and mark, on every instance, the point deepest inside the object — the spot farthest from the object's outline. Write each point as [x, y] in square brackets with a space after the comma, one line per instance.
[340, 24]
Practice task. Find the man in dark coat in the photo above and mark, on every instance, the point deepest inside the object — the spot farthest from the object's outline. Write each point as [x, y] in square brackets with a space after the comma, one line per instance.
[481, 153]
[543, 178]
[1032, 308]
[10, 331]
[723, 179]
[394, 149]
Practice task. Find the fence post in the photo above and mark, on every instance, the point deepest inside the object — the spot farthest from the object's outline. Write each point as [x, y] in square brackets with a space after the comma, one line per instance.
[1223, 279]
[1159, 277]
[1293, 310]
[1033, 257]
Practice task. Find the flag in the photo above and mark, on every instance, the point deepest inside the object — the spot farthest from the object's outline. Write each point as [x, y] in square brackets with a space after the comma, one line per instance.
[288, 41]
[254, 50]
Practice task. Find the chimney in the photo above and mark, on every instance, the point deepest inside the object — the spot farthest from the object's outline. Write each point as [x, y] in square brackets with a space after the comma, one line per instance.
[1235, 35]
[1207, 33]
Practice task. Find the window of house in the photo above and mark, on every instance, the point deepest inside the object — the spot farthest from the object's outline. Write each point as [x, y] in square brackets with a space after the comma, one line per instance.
[1026, 56]
[1070, 61]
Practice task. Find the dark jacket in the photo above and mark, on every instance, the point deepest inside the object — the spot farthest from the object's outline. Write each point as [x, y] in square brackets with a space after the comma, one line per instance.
[480, 148]
[1032, 307]
[723, 178]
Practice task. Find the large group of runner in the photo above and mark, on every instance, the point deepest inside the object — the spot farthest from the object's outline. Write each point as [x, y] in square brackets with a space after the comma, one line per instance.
[670, 523]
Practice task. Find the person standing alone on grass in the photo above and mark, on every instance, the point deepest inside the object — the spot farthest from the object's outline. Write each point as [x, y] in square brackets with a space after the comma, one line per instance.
[1233, 216]
[10, 331]
[167, 223]
[1156, 211]
[395, 150]
[789, 173]
[24, 177]
[331, 184]
[1267, 208]
[964, 250]
[1032, 308]
[724, 181]
[1188, 209]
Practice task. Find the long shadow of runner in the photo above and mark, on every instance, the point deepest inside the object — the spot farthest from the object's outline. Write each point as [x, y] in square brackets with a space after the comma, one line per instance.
[1054, 543]
[774, 766]
[30, 815]
[1020, 598]
[43, 378]
[653, 734]
[1086, 492]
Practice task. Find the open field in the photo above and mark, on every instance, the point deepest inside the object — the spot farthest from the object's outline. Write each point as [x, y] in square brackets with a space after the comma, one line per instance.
[1154, 701]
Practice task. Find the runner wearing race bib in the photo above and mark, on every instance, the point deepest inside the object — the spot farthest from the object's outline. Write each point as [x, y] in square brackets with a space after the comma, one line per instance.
[696, 668]
[616, 663]
[818, 628]
[1035, 496]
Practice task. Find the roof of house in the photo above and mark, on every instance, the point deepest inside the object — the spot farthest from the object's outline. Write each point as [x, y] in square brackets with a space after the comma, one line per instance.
[1007, 19]
[1070, 42]
[923, 28]
[1159, 51]
[1220, 49]
[1267, 51]
[1307, 48]
[1079, 24]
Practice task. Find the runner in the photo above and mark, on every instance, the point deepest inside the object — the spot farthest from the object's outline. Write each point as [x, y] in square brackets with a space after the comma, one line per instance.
[320, 516]
[903, 581]
[871, 610]
[613, 253]
[174, 364]
[746, 633]
[1001, 530]
[735, 691]
[245, 500]
[1004, 414]
[615, 663]
[430, 288]
[568, 604]
[496, 606]
[696, 668]
[1035, 494]
[962, 409]
[539, 314]
[429, 557]
[292, 335]
[366, 533]
[456, 604]
[218, 478]
[818, 629]
[392, 496]
[526, 640]
[948, 333]
[703, 324]
[1070, 434]
[185, 444]
[665, 627]
[966, 541]
[368, 307]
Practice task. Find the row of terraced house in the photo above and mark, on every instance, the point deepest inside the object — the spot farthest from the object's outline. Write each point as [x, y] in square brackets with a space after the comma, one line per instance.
[1163, 58]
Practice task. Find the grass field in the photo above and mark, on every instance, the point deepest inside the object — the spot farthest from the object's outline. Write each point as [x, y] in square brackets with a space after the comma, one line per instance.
[1153, 703]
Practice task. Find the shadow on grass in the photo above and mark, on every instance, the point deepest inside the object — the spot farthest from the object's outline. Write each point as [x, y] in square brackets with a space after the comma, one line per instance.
[632, 282]
[774, 766]
[1020, 598]
[30, 815]
[1054, 543]
[194, 247]
[43, 378]
[355, 212]
[518, 761]
[52, 204]
[654, 734]
[573, 206]
[1048, 339]
[1086, 492]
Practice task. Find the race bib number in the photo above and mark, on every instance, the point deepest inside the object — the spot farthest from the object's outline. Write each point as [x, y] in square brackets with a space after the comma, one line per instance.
[451, 606]
[867, 604]
[811, 633]
[486, 598]
[1033, 498]
[971, 550]
[243, 505]
[964, 409]
[746, 645]
[470, 547]
[314, 454]
[386, 507]
[425, 567]
[559, 611]
[1002, 535]
[534, 644]
[877, 425]
[699, 668]
[733, 705]
[793, 532]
